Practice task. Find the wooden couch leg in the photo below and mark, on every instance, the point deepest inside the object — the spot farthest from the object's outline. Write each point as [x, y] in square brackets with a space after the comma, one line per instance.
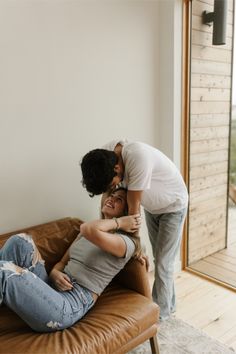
[154, 345]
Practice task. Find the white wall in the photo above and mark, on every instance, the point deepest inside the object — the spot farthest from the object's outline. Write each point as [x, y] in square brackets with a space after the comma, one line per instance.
[170, 83]
[170, 78]
[75, 74]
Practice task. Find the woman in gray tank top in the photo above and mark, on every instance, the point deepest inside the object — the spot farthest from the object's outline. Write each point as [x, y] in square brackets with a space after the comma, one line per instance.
[55, 302]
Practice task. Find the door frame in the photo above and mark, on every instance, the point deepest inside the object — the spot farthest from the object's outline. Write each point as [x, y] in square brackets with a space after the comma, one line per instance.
[185, 150]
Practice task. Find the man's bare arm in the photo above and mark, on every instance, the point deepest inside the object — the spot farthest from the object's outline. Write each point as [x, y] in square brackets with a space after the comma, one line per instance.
[134, 204]
[134, 201]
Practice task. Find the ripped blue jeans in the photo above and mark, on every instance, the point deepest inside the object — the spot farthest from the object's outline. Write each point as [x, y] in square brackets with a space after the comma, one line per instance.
[26, 289]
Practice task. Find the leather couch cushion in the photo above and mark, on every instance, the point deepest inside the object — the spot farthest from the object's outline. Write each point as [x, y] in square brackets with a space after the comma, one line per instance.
[119, 315]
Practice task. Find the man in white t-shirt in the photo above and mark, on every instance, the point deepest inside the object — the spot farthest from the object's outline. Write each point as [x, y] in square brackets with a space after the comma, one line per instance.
[154, 182]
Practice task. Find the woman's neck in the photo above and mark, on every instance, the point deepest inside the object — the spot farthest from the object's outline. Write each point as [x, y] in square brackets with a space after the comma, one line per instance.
[107, 216]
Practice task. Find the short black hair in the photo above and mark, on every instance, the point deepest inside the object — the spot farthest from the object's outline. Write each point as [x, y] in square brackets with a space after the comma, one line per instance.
[98, 170]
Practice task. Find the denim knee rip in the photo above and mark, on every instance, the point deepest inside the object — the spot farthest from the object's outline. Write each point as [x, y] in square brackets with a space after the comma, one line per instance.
[53, 325]
[36, 256]
[14, 269]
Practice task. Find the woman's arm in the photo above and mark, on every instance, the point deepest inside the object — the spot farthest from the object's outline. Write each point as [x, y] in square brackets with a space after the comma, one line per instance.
[60, 279]
[99, 233]
[63, 262]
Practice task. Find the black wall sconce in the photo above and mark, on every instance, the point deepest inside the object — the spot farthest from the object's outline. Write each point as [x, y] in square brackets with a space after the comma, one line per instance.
[219, 19]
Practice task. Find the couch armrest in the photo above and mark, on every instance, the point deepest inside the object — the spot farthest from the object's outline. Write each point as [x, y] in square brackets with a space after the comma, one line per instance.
[52, 238]
[134, 276]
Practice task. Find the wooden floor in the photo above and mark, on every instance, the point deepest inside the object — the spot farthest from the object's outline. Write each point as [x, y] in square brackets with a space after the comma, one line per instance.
[222, 265]
[206, 306]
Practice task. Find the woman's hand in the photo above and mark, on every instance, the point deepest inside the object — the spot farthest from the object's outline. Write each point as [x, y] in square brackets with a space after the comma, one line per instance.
[130, 223]
[61, 280]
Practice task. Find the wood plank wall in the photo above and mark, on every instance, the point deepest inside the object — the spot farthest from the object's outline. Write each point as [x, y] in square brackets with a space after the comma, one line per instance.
[210, 101]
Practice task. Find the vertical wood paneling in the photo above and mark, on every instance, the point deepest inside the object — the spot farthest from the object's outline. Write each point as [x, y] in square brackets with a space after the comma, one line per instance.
[210, 95]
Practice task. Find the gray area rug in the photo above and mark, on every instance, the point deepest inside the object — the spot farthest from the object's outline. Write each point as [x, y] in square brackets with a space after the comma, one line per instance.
[177, 337]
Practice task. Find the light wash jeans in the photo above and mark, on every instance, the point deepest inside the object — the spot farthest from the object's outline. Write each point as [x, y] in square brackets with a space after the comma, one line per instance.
[26, 289]
[165, 232]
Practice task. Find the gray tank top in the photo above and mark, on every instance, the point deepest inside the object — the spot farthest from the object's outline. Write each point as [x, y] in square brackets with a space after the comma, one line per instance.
[94, 268]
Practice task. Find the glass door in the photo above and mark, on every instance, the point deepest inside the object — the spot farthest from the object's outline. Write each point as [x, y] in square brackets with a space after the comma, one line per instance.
[209, 129]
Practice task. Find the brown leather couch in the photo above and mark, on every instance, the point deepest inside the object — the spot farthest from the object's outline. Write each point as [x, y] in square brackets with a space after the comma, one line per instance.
[123, 317]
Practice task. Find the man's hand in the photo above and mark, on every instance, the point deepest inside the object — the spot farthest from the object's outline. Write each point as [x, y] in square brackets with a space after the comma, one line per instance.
[130, 223]
[61, 280]
[143, 259]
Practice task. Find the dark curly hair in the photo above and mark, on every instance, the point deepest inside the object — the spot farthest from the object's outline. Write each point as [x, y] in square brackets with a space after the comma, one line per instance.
[98, 170]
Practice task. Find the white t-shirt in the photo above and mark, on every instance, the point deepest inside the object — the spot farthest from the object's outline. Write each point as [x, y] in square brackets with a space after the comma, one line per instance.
[147, 169]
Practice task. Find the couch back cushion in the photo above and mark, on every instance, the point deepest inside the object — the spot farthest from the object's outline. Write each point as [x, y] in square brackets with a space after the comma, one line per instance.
[52, 239]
